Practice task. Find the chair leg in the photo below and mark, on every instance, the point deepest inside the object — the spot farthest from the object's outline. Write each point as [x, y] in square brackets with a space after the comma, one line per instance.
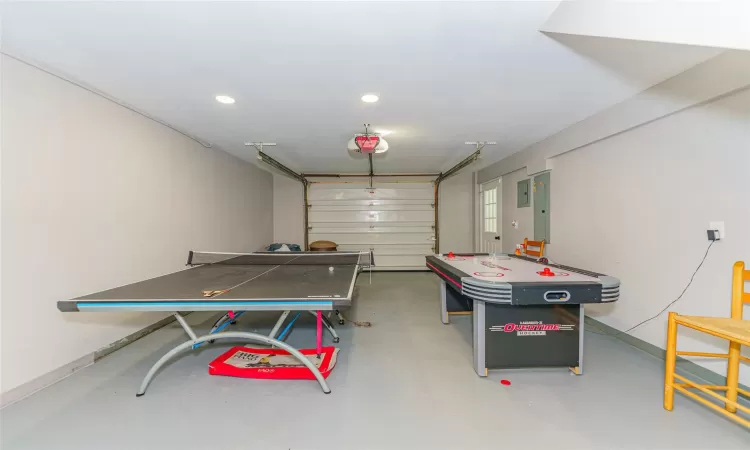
[733, 373]
[671, 360]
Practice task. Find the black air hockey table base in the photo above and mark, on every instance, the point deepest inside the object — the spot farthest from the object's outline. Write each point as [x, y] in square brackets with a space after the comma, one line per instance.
[507, 337]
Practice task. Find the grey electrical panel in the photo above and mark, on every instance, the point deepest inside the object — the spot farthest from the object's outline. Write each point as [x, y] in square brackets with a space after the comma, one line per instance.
[524, 196]
[541, 190]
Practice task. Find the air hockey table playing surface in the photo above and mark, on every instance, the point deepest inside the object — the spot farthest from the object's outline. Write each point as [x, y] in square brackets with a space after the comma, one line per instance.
[525, 313]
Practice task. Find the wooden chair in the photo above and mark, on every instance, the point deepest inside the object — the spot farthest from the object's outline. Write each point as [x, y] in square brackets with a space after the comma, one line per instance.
[735, 330]
[537, 244]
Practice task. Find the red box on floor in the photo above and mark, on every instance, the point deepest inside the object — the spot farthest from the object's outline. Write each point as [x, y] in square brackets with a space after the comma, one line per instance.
[266, 363]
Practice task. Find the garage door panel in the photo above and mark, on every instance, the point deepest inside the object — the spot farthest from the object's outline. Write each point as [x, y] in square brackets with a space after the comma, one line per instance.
[407, 226]
[358, 228]
[370, 216]
[404, 257]
[373, 238]
[368, 207]
[390, 250]
[396, 222]
[400, 262]
[364, 183]
[372, 202]
[367, 194]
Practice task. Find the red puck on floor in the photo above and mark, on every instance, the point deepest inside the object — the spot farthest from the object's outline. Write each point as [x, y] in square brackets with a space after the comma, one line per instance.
[505, 382]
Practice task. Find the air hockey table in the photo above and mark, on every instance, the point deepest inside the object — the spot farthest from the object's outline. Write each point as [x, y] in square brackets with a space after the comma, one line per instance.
[525, 313]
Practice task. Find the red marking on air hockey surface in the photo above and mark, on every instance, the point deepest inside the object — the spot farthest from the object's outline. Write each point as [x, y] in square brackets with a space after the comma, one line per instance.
[446, 276]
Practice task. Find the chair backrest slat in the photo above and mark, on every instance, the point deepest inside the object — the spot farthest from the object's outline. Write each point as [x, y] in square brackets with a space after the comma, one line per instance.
[538, 244]
[739, 296]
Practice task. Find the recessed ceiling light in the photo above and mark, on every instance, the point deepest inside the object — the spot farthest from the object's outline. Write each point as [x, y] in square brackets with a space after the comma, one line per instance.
[370, 98]
[224, 99]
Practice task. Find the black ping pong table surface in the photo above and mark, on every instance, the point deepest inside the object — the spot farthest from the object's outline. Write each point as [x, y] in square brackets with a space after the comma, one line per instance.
[240, 282]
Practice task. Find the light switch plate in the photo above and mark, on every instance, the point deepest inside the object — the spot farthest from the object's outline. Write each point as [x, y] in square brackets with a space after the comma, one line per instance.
[718, 226]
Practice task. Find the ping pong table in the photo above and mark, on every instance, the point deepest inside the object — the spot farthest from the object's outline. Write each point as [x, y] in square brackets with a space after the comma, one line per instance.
[263, 281]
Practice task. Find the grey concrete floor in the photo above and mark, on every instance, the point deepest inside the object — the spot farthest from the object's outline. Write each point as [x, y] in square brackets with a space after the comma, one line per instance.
[405, 383]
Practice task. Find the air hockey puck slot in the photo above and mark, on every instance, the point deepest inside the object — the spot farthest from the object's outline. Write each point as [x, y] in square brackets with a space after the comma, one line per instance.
[557, 296]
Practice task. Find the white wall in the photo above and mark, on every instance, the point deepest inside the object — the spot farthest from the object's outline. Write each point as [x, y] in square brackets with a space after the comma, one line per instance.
[95, 196]
[723, 74]
[720, 23]
[288, 211]
[636, 205]
[456, 213]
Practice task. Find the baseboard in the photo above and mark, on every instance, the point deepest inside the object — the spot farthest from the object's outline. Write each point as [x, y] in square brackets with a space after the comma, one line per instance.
[684, 366]
[19, 393]
[37, 384]
[113, 347]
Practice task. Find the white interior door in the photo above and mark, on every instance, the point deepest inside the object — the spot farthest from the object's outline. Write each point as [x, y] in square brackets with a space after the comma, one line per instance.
[394, 220]
[491, 220]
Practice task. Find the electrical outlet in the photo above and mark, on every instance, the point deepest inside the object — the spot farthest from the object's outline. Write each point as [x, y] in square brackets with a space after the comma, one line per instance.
[718, 226]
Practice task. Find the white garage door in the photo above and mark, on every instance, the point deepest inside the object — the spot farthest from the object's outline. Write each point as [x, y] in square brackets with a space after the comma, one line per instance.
[394, 220]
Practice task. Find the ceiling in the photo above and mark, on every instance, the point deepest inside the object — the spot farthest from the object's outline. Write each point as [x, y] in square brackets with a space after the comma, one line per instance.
[446, 72]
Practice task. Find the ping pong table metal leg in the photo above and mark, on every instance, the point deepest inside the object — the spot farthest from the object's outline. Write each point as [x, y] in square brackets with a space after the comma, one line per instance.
[329, 326]
[220, 322]
[319, 333]
[253, 337]
[278, 325]
[285, 314]
[185, 325]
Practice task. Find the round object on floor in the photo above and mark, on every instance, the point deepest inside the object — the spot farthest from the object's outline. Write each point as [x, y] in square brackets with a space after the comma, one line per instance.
[505, 382]
[323, 246]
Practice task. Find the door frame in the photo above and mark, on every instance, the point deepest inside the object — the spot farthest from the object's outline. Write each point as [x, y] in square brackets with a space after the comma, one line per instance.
[534, 205]
[479, 213]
